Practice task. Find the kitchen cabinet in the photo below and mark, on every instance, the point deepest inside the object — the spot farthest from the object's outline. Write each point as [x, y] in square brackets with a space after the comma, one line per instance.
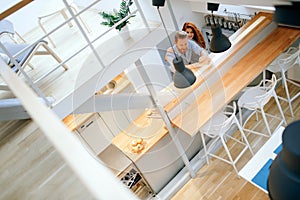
[163, 162]
[95, 133]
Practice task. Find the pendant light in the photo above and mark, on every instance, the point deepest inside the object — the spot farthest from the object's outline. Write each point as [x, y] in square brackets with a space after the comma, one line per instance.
[288, 15]
[183, 77]
[284, 178]
[219, 42]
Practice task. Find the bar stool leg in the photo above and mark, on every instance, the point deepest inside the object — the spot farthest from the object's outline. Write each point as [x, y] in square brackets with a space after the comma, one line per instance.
[266, 121]
[229, 155]
[279, 107]
[241, 116]
[256, 114]
[287, 92]
[204, 147]
[244, 136]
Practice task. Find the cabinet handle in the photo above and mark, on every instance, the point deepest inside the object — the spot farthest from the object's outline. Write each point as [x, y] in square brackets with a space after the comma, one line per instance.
[89, 123]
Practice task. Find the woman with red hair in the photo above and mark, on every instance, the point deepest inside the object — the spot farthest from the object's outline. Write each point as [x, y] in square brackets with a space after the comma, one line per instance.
[194, 33]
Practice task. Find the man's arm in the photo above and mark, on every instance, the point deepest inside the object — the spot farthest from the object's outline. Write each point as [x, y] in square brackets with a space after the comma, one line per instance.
[169, 50]
[204, 58]
[203, 54]
[170, 57]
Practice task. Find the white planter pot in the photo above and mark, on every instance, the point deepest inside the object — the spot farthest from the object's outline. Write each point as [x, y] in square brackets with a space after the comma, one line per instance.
[124, 33]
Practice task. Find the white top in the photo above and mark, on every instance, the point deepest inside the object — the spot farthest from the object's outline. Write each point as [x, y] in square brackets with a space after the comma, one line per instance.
[191, 55]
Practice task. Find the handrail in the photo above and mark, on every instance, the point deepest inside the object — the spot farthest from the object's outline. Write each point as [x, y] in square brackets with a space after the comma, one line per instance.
[14, 8]
[88, 43]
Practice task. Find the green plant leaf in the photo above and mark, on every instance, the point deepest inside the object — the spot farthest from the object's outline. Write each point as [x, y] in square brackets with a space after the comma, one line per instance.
[113, 17]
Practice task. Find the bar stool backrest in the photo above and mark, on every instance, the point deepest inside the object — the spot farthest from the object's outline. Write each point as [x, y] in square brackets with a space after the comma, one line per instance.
[289, 58]
[220, 128]
[269, 87]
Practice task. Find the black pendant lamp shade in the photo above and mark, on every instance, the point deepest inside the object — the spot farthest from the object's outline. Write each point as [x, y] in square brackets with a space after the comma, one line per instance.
[288, 15]
[284, 177]
[219, 42]
[158, 2]
[183, 77]
[212, 6]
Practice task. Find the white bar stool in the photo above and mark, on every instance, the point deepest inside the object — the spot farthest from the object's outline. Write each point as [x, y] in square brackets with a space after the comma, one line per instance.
[282, 64]
[216, 129]
[255, 99]
[53, 7]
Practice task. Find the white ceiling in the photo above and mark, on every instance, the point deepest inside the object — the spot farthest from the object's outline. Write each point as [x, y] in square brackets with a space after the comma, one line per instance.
[247, 2]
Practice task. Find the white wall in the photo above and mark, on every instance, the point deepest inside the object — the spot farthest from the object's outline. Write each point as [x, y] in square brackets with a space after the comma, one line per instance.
[182, 10]
[200, 7]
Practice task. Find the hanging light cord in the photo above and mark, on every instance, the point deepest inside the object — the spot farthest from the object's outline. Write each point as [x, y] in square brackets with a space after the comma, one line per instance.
[213, 18]
[166, 32]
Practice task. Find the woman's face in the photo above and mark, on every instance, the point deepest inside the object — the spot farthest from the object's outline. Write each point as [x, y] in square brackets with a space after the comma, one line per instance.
[190, 33]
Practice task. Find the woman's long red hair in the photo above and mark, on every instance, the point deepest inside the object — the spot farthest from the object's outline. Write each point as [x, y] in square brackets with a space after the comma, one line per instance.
[198, 37]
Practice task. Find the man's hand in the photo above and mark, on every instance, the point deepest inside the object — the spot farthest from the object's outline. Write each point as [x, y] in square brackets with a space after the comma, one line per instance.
[204, 60]
[169, 50]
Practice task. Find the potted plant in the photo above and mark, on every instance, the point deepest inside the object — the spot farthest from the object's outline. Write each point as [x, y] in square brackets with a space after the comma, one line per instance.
[113, 17]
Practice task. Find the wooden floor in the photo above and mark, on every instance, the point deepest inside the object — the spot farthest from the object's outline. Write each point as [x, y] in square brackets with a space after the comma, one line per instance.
[218, 180]
[31, 167]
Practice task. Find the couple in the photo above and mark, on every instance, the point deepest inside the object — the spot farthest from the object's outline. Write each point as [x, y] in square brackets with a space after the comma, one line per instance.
[188, 49]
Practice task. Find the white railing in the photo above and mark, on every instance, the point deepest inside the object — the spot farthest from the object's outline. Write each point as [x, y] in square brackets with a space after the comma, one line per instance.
[89, 43]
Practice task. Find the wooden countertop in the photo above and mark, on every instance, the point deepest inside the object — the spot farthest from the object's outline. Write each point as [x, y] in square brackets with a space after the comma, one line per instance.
[150, 129]
[238, 77]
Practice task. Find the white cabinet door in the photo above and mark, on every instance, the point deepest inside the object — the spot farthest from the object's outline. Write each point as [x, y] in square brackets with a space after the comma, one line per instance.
[95, 133]
[161, 164]
[116, 121]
